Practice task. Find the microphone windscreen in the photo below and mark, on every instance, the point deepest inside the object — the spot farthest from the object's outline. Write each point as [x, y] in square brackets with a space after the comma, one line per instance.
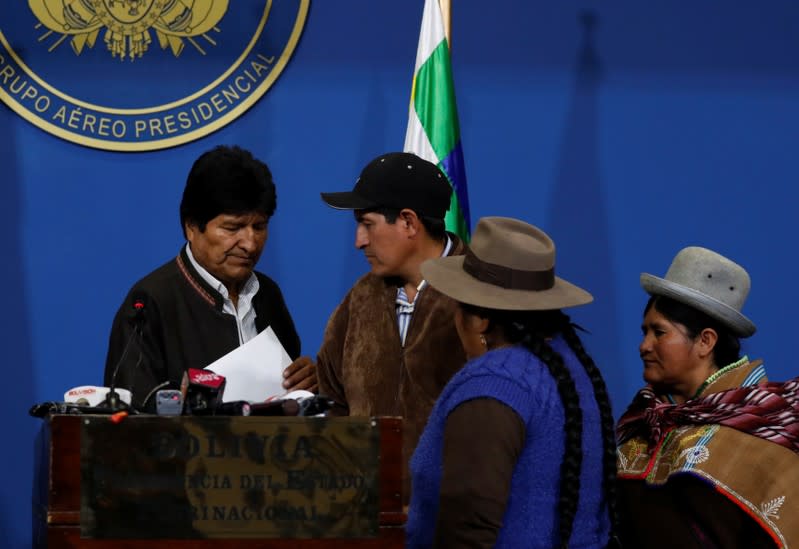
[207, 380]
[89, 395]
[205, 390]
[139, 303]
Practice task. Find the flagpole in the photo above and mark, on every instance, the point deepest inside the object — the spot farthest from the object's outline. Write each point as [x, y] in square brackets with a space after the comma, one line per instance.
[446, 14]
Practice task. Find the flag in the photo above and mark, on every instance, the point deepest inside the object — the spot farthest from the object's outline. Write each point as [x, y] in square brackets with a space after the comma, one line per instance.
[433, 131]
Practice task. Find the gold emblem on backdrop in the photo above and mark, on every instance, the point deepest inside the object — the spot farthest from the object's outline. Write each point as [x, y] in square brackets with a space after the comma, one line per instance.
[104, 73]
[126, 24]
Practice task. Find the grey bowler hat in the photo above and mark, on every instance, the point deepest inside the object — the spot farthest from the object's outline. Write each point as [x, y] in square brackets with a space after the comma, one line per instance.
[709, 282]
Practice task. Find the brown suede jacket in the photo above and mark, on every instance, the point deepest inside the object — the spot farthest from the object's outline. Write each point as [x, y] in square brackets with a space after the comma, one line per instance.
[363, 366]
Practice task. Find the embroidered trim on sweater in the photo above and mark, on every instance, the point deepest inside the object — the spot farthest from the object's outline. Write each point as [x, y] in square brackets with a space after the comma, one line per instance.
[190, 279]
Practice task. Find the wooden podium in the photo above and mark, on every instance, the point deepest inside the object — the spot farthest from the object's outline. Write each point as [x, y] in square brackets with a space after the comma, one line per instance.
[64, 462]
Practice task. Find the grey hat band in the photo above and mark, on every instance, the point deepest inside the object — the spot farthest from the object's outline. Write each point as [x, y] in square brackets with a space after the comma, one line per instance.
[507, 277]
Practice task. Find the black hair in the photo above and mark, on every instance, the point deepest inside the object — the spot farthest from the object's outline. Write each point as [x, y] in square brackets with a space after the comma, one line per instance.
[435, 227]
[532, 329]
[226, 180]
[728, 346]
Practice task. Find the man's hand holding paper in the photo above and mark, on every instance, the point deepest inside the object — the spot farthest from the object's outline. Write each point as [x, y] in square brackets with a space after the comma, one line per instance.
[261, 369]
[300, 375]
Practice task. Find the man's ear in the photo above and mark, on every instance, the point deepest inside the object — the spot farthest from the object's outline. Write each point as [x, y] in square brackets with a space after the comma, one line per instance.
[191, 230]
[409, 220]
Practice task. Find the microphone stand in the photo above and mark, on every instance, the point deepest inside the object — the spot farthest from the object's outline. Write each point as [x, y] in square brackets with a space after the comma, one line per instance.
[112, 401]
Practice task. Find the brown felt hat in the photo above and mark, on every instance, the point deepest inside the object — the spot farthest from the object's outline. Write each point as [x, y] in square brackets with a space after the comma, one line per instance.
[510, 265]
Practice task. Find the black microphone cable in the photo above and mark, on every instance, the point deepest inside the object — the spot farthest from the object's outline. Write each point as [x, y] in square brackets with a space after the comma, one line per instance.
[112, 400]
[154, 389]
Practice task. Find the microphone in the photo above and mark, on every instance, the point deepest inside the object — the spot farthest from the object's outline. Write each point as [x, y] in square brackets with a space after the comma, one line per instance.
[138, 309]
[315, 405]
[89, 395]
[204, 391]
[278, 407]
[44, 409]
[234, 408]
[305, 403]
[136, 317]
[168, 402]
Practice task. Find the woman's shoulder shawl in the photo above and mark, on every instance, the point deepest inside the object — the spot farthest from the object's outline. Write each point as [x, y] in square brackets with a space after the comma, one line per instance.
[742, 439]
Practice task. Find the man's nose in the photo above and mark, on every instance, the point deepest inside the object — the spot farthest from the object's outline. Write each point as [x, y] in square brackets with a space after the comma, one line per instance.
[248, 239]
[361, 237]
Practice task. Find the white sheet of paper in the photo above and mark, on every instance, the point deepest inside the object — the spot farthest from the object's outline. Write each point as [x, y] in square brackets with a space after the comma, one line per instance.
[253, 371]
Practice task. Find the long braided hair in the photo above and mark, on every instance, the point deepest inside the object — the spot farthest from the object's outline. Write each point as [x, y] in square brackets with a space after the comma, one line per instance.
[532, 329]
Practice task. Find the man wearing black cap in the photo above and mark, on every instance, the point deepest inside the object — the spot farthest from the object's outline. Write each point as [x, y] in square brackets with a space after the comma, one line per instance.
[391, 345]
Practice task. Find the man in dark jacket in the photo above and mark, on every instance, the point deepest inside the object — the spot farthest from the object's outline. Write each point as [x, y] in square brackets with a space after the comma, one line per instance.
[208, 300]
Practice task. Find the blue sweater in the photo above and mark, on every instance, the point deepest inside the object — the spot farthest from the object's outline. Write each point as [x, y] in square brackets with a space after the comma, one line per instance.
[519, 379]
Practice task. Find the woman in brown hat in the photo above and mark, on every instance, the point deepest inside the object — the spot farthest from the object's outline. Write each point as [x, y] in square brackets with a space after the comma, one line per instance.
[519, 449]
[707, 455]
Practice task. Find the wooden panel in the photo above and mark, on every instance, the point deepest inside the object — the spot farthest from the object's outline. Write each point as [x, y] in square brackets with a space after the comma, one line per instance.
[391, 471]
[64, 537]
[56, 493]
[64, 457]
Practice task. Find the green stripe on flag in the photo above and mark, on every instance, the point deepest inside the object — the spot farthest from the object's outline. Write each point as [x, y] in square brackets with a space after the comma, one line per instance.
[434, 101]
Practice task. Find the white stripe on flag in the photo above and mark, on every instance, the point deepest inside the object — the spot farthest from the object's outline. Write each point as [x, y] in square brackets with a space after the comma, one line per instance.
[432, 32]
[430, 36]
[416, 140]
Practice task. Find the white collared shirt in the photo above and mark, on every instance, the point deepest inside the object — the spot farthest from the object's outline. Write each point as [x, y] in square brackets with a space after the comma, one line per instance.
[244, 313]
[404, 307]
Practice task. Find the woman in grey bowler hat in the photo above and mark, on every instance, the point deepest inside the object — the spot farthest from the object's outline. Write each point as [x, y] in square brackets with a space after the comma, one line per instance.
[708, 449]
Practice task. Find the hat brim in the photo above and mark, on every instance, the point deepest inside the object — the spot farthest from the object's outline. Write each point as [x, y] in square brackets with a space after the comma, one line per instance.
[448, 277]
[731, 318]
[348, 201]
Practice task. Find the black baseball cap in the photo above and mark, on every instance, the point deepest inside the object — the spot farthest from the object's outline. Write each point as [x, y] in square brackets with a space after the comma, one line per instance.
[397, 180]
